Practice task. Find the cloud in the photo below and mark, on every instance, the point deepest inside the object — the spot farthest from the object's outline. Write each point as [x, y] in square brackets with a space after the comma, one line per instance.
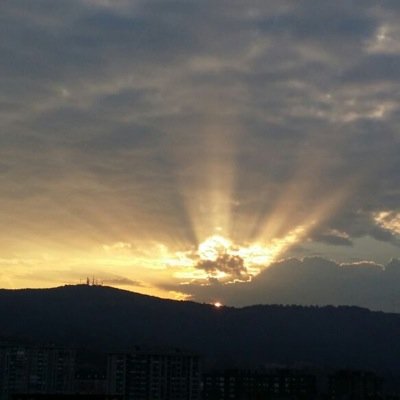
[121, 281]
[389, 221]
[311, 281]
[333, 237]
[231, 265]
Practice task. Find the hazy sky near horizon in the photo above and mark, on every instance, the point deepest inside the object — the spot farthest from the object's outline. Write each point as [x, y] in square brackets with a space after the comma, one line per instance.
[190, 148]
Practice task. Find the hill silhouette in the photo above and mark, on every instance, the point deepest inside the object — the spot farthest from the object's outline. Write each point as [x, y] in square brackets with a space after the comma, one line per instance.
[109, 319]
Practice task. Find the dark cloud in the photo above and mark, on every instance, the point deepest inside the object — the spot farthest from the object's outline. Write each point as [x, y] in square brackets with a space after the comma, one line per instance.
[312, 281]
[375, 68]
[229, 264]
[333, 239]
[385, 235]
[321, 22]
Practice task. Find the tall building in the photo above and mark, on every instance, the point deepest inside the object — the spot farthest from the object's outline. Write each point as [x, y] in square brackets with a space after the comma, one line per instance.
[35, 369]
[148, 374]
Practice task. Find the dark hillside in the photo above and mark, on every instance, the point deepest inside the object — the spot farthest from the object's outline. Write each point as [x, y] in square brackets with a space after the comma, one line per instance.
[104, 318]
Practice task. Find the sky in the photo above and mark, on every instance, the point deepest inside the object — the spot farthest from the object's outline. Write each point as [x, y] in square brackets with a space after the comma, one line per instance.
[234, 151]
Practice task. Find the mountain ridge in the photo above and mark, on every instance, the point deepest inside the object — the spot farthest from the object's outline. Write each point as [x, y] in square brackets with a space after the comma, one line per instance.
[110, 319]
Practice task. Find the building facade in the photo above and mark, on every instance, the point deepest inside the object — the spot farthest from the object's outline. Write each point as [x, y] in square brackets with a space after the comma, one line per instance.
[146, 374]
[35, 369]
[259, 384]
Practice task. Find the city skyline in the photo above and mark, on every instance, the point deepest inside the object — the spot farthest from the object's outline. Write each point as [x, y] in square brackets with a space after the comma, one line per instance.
[238, 153]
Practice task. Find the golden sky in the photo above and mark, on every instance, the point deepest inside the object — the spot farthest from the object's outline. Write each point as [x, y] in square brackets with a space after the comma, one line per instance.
[165, 147]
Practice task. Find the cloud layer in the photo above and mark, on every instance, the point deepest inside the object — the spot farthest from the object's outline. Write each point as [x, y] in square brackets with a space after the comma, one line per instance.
[135, 121]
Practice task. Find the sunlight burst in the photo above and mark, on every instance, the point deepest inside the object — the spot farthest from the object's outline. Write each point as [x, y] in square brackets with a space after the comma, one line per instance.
[218, 258]
[213, 247]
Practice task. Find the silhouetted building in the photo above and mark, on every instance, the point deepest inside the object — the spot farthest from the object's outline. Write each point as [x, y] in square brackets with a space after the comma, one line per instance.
[146, 374]
[35, 369]
[259, 384]
[90, 381]
[355, 385]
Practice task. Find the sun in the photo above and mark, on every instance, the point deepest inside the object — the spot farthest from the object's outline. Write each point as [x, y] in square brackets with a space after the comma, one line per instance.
[217, 304]
[217, 246]
[218, 258]
[213, 247]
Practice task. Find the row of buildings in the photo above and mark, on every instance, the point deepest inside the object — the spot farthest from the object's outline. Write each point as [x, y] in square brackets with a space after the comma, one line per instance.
[41, 371]
[48, 372]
